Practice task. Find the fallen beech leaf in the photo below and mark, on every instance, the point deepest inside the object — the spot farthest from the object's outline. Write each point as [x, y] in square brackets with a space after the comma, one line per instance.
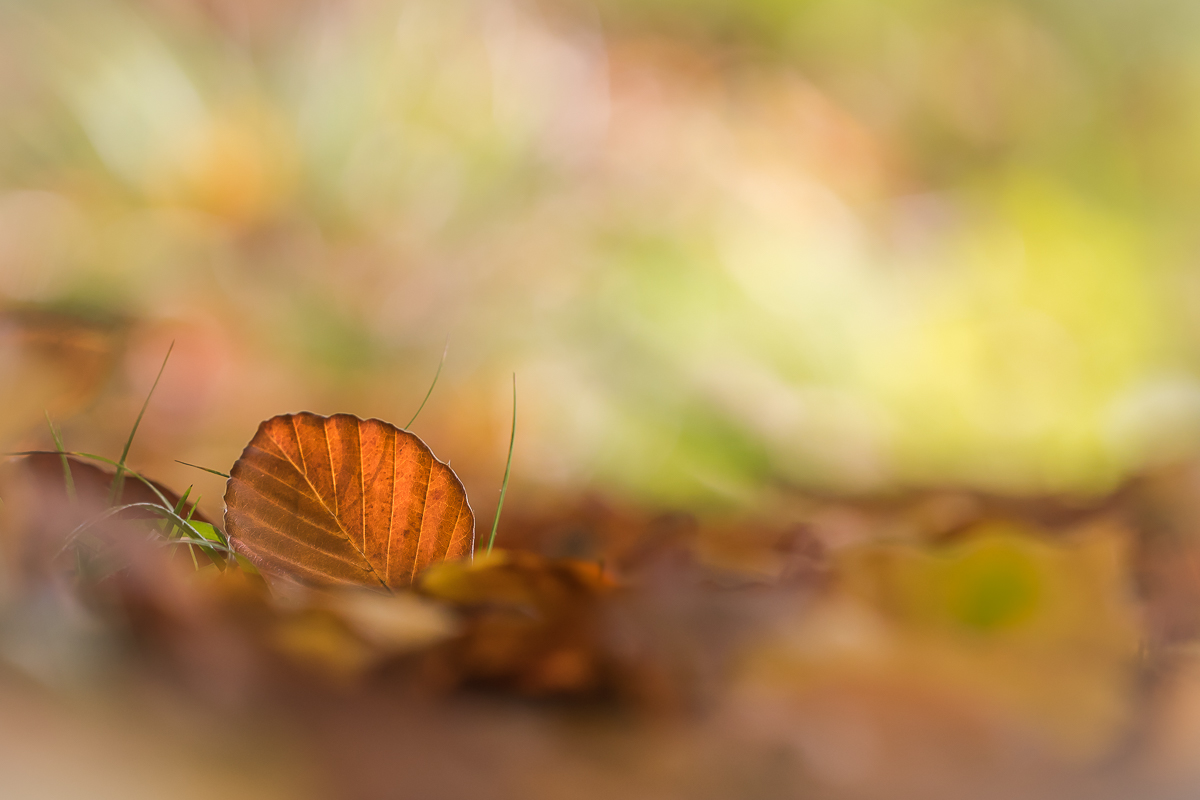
[340, 500]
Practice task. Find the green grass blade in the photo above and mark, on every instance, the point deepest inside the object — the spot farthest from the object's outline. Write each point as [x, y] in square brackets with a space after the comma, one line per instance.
[507, 467]
[211, 534]
[164, 511]
[208, 532]
[178, 510]
[195, 504]
[441, 364]
[66, 465]
[201, 543]
[182, 500]
[206, 469]
[119, 479]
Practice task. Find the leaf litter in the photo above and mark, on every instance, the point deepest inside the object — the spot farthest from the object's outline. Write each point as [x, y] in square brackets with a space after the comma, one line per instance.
[937, 644]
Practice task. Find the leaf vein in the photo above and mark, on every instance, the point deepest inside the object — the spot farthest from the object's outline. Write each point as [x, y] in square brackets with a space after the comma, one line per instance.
[421, 527]
[304, 474]
[280, 532]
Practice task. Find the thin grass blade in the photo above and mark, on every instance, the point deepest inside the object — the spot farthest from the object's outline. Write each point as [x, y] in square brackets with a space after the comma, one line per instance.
[206, 469]
[441, 364]
[119, 479]
[507, 468]
[178, 510]
[66, 465]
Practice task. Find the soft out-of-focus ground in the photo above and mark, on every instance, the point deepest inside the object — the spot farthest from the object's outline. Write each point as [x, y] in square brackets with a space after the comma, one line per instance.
[941, 645]
[897, 300]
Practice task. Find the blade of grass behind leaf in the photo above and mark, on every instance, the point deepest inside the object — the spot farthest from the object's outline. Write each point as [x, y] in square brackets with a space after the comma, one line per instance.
[66, 465]
[206, 469]
[191, 550]
[441, 364]
[178, 510]
[507, 467]
[182, 500]
[119, 479]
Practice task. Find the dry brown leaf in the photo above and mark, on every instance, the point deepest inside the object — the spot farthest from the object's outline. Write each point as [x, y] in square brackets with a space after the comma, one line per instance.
[38, 513]
[340, 500]
[91, 485]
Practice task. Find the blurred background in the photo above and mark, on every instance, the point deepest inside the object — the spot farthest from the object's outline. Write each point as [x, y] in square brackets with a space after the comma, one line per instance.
[729, 250]
[739, 255]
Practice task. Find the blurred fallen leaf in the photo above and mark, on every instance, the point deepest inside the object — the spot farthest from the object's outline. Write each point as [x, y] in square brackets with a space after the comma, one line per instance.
[91, 484]
[317, 638]
[50, 362]
[344, 631]
[532, 623]
[394, 624]
[340, 500]
[40, 512]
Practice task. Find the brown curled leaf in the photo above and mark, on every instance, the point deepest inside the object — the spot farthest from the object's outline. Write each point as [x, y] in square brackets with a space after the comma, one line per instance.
[91, 484]
[341, 500]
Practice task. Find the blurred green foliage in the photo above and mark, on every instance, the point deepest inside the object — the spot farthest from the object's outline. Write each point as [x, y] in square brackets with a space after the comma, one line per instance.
[731, 248]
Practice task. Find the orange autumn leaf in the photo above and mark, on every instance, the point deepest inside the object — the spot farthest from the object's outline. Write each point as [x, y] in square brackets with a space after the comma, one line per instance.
[340, 500]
